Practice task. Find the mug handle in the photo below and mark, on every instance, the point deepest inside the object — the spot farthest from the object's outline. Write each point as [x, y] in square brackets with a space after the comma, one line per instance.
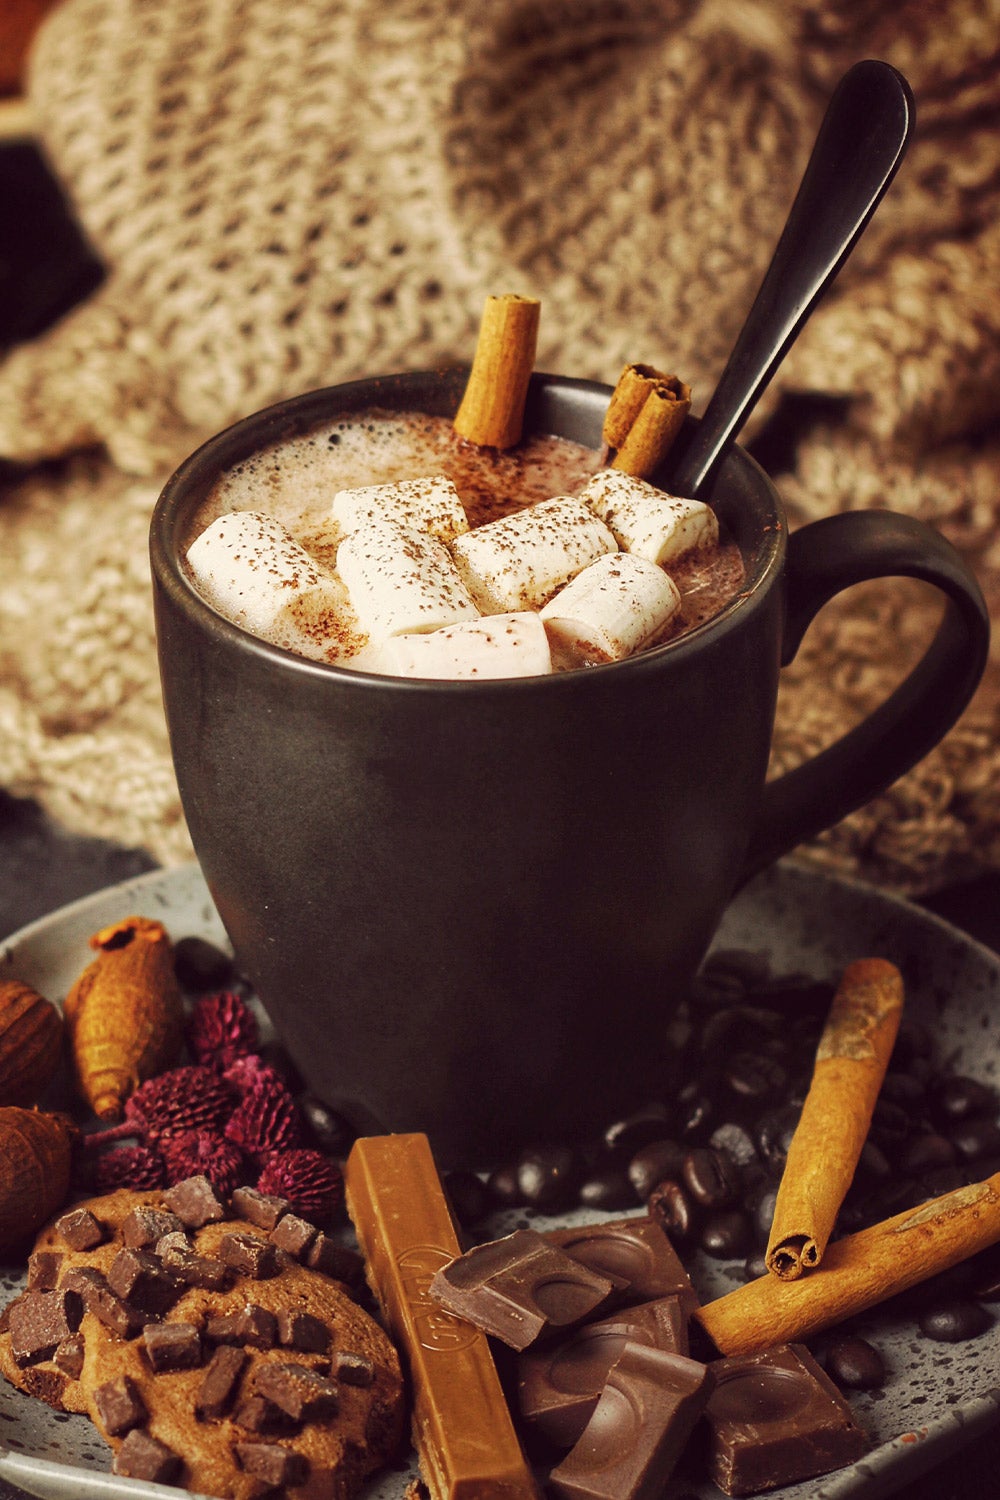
[824, 557]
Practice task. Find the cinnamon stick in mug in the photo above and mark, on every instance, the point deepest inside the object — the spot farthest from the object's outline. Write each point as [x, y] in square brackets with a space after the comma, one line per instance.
[858, 1272]
[491, 413]
[851, 1061]
[627, 400]
[654, 429]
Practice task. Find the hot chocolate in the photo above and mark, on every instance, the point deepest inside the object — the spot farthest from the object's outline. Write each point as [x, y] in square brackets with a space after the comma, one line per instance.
[311, 608]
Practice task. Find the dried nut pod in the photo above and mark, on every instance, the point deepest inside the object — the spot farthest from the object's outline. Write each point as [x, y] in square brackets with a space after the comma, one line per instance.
[35, 1154]
[30, 1043]
[124, 1014]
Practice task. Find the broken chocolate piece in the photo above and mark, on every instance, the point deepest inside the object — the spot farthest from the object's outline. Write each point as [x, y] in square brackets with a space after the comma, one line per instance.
[45, 1385]
[120, 1405]
[639, 1426]
[272, 1463]
[172, 1346]
[195, 1202]
[43, 1270]
[123, 1318]
[139, 1277]
[81, 1230]
[143, 1457]
[68, 1356]
[88, 1281]
[352, 1369]
[253, 1325]
[558, 1385]
[299, 1392]
[774, 1418]
[188, 1267]
[519, 1287]
[257, 1414]
[41, 1320]
[262, 1209]
[143, 1228]
[248, 1255]
[293, 1235]
[336, 1261]
[218, 1386]
[637, 1251]
[303, 1331]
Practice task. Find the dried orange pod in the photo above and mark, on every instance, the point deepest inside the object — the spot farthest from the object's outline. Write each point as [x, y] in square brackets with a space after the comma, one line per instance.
[124, 1014]
[35, 1157]
[30, 1043]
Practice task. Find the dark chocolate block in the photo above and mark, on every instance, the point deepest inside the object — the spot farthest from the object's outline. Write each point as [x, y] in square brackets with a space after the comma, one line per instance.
[188, 1267]
[293, 1235]
[272, 1463]
[139, 1277]
[39, 1321]
[646, 1412]
[519, 1287]
[143, 1457]
[558, 1385]
[301, 1393]
[636, 1251]
[195, 1202]
[257, 1414]
[336, 1261]
[303, 1331]
[120, 1405]
[218, 1386]
[69, 1355]
[775, 1418]
[43, 1270]
[249, 1255]
[262, 1209]
[143, 1228]
[253, 1325]
[172, 1346]
[81, 1230]
[352, 1369]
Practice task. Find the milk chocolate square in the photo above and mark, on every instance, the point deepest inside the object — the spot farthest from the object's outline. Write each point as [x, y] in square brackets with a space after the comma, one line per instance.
[636, 1251]
[519, 1287]
[645, 1415]
[39, 1321]
[774, 1418]
[559, 1385]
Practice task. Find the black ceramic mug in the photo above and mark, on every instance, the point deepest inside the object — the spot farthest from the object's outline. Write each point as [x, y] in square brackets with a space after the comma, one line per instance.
[470, 907]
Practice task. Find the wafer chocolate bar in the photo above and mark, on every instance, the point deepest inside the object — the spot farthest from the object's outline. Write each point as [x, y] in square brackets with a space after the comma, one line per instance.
[461, 1426]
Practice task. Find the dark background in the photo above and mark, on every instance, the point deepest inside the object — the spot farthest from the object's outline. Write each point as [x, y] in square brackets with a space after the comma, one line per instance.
[45, 268]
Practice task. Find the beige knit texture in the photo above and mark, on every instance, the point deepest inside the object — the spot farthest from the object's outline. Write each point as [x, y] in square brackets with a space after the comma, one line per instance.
[289, 196]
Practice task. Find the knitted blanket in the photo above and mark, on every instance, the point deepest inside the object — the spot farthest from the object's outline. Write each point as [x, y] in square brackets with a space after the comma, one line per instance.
[288, 197]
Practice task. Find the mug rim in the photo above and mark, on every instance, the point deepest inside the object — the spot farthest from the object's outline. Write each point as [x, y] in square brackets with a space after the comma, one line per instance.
[296, 415]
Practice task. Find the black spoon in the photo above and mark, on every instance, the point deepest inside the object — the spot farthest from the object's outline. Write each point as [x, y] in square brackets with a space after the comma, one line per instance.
[860, 145]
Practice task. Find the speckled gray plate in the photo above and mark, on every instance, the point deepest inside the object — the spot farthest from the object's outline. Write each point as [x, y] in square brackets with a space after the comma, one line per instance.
[938, 1396]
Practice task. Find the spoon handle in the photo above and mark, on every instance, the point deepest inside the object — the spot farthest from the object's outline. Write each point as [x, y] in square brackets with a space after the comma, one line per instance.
[860, 145]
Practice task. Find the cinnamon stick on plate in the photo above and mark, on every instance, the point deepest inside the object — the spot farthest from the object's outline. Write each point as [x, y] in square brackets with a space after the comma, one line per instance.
[644, 416]
[858, 1272]
[491, 413]
[851, 1061]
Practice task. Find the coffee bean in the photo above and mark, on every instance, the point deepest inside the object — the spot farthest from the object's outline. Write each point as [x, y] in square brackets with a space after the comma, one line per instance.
[607, 1187]
[725, 1233]
[468, 1195]
[954, 1321]
[755, 1265]
[737, 1143]
[774, 1132]
[652, 1164]
[760, 1207]
[738, 964]
[755, 1079]
[904, 1089]
[637, 1130]
[957, 1098]
[696, 1112]
[914, 1041]
[891, 1125]
[855, 1364]
[547, 1177]
[926, 1152]
[710, 1178]
[503, 1186]
[330, 1131]
[671, 1207]
[975, 1139]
